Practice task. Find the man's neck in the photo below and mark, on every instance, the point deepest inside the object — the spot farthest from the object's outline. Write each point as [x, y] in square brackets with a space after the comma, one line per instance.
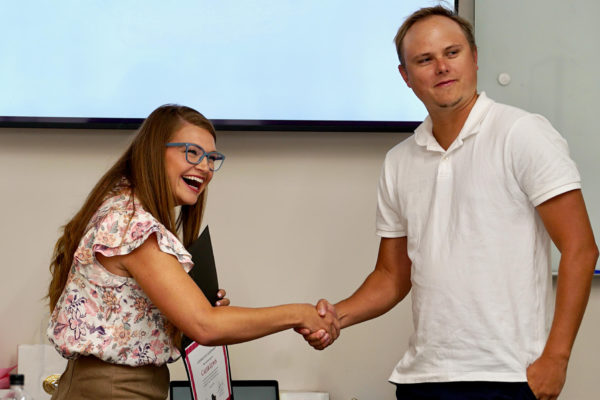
[447, 124]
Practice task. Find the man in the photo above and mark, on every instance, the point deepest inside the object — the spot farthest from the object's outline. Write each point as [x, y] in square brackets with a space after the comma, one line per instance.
[466, 210]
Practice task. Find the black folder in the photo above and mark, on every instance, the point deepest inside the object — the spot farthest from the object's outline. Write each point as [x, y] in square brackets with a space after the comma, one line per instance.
[204, 272]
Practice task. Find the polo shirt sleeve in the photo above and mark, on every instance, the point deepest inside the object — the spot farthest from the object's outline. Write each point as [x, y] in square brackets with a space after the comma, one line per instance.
[389, 220]
[539, 157]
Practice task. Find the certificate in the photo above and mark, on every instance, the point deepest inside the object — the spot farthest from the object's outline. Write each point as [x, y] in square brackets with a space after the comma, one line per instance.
[208, 370]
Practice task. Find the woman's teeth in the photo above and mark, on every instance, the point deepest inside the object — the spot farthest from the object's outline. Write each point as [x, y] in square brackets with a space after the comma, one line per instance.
[193, 181]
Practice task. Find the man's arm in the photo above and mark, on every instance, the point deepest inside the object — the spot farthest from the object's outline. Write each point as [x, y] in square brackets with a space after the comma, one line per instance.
[566, 220]
[385, 287]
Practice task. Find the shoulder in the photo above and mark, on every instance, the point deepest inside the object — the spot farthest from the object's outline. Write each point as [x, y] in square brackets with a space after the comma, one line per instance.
[127, 225]
[502, 117]
[401, 150]
[507, 118]
[119, 222]
[117, 204]
[515, 129]
[121, 206]
[123, 219]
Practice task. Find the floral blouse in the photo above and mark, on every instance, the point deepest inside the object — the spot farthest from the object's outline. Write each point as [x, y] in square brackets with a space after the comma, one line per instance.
[106, 315]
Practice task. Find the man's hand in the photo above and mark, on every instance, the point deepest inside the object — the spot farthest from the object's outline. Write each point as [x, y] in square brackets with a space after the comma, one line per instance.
[320, 339]
[546, 377]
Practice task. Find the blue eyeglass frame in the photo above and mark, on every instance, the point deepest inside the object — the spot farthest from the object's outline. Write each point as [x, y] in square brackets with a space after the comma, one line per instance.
[205, 154]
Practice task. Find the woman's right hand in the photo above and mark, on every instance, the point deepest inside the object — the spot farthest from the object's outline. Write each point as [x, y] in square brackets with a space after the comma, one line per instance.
[324, 328]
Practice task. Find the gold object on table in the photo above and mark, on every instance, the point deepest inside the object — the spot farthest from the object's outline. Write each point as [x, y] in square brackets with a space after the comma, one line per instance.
[51, 383]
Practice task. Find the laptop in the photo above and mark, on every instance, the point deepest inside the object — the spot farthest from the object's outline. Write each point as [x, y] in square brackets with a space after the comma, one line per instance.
[242, 390]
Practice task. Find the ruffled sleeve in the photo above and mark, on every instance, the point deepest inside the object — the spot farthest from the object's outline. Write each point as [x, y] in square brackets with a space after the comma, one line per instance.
[120, 227]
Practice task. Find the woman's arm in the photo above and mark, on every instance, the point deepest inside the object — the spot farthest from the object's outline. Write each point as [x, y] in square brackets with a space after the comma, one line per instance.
[176, 295]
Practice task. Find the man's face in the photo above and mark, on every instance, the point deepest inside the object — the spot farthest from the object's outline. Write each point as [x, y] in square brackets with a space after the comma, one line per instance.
[440, 66]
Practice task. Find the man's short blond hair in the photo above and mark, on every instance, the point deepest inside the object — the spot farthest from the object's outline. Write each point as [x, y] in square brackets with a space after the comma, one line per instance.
[427, 12]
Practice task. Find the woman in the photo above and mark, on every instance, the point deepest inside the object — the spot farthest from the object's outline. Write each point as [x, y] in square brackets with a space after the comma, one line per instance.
[120, 295]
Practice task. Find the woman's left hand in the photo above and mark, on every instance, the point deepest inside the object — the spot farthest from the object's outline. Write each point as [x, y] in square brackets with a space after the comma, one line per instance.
[223, 301]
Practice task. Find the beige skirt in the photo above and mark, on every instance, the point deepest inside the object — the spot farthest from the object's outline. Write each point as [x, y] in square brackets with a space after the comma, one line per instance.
[91, 378]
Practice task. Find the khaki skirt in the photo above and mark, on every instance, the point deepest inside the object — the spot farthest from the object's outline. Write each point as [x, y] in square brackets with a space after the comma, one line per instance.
[91, 378]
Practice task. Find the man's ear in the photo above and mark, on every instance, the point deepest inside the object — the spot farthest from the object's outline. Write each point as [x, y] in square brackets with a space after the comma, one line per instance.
[404, 74]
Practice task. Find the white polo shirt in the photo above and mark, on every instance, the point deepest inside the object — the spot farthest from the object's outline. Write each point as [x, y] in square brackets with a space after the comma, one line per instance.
[481, 274]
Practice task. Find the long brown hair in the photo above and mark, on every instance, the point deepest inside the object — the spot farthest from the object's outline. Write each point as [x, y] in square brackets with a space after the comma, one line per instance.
[143, 165]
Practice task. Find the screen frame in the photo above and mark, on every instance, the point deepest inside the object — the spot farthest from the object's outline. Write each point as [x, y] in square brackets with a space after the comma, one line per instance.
[220, 124]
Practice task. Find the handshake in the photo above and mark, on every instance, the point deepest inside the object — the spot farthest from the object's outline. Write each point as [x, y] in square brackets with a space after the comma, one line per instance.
[320, 326]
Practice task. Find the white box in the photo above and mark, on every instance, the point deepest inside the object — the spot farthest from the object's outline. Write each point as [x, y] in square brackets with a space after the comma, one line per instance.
[293, 395]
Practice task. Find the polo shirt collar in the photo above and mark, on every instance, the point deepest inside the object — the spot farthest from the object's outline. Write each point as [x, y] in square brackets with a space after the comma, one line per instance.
[424, 132]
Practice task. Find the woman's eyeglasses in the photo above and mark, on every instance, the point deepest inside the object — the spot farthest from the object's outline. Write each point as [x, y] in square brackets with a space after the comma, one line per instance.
[194, 154]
